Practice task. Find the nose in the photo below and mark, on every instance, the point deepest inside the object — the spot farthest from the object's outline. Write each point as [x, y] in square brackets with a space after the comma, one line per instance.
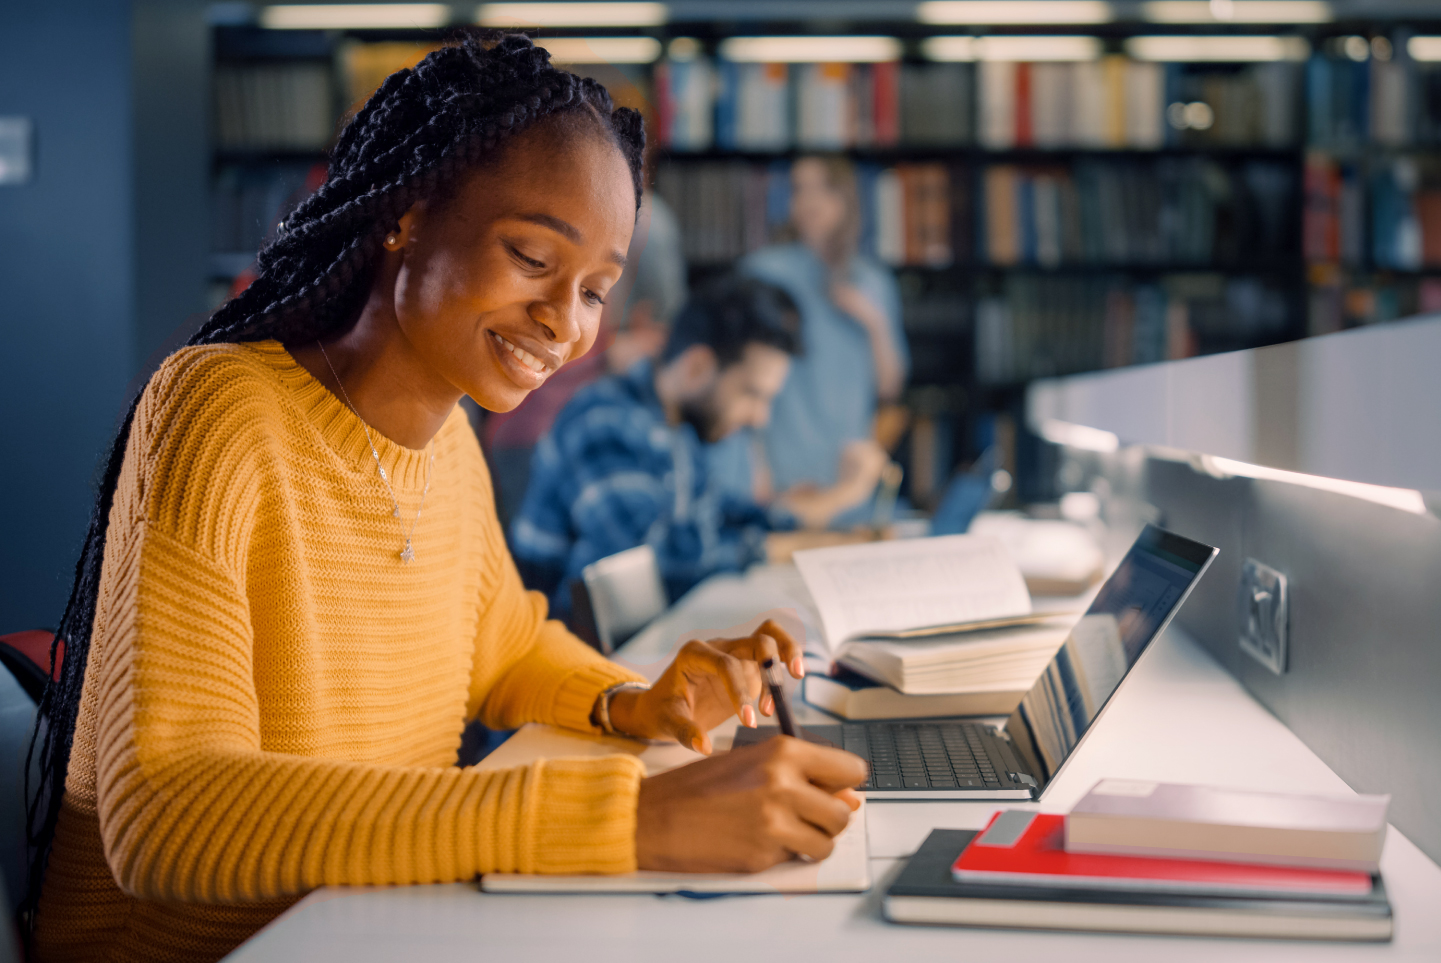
[559, 314]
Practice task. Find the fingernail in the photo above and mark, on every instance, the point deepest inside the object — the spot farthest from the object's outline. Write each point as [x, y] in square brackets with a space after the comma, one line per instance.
[798, 667]
[748, 716]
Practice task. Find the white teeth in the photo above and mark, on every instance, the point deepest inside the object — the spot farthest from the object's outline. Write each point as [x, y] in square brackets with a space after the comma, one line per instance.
[525, 357]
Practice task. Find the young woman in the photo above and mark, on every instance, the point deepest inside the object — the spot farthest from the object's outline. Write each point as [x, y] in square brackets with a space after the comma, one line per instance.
[295, 592]
[821, 424]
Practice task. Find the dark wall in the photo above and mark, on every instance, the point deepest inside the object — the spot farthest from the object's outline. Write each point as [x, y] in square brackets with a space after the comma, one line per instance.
[98, 257]
[66, 286]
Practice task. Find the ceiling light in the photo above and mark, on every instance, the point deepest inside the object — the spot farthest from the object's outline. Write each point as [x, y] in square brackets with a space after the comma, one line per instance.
[811, 49]
[1405, 499]
[1011, 48]
[571, 15]
[1014, 11]
[1237, 11]
[1424, 48]
[355, 16]
[602, 50]
[1238, 49]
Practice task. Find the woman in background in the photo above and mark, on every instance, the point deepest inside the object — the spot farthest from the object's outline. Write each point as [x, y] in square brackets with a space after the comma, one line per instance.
[820, 432]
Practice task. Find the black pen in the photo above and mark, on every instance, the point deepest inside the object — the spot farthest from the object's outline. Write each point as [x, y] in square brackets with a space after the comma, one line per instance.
[775, 682]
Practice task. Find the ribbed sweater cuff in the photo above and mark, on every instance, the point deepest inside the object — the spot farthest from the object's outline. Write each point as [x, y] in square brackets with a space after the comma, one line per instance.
[575, 698]
[582, 816]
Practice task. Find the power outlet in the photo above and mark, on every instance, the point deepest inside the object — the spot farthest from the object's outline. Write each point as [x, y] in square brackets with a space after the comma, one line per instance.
[1265, 615]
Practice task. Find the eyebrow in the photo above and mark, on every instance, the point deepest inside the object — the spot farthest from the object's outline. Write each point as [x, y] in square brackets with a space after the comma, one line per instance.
[567, 230]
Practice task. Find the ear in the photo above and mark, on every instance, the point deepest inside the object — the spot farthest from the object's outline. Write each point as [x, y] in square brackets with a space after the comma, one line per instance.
[698, 366]
[399, 236]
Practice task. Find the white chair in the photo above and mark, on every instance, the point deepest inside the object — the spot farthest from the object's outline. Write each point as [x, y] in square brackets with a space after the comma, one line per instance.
[625, 593]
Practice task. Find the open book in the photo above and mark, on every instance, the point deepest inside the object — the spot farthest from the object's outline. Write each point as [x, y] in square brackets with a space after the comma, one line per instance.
[931, 615]
[915, 587]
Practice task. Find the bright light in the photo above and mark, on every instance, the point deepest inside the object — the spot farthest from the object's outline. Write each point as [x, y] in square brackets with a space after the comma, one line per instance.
[1405, 499]
[571, 15]
[355, 16]
[811, 49]
[1059, 432]
[1236, 11]
[1014, 11]
[1424, 48]
[1237, 49]
[1011, 48]
[602, 50]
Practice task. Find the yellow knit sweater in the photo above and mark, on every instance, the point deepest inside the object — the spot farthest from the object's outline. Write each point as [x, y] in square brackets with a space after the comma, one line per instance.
[273, 702]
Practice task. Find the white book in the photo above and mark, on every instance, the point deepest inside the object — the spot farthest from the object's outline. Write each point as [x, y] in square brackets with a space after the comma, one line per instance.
[1145, 104]
[914, 587]
[1051, 104]
[1089, 125]
[890, 218]
[994, 660]
[998, 104]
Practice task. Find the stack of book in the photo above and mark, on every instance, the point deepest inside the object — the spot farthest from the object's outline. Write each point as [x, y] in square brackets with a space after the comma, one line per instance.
[928, 627]
[1166, 211]
[274, 106]
[1042, 325]
[729, 208]
[705, 104]
[1147, 857]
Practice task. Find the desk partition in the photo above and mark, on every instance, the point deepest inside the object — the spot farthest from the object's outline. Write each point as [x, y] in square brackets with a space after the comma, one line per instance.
[1363, 669]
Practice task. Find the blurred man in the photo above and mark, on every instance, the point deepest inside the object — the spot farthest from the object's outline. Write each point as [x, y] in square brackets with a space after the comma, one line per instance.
[624, 463]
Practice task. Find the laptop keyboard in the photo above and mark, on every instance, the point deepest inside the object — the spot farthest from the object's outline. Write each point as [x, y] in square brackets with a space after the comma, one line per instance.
[927, 755]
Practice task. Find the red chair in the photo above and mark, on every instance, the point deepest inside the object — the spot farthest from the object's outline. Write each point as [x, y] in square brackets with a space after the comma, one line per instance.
[27, 655]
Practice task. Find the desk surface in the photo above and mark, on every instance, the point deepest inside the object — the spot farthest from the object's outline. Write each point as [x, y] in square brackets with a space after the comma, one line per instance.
[1179, 717]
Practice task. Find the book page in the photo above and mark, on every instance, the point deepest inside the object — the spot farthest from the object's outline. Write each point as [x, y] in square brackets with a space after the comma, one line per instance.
[911, 584]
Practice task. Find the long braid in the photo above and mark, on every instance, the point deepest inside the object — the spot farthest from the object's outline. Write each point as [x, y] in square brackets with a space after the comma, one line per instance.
[413, 139]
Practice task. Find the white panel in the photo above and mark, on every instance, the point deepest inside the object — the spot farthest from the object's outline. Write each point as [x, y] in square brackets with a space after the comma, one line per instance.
[1362, 405]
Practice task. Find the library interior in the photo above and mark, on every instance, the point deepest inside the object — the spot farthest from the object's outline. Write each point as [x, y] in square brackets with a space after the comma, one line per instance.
[813, 478]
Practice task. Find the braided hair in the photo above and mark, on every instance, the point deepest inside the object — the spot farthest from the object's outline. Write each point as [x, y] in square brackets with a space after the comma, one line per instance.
[413, 139]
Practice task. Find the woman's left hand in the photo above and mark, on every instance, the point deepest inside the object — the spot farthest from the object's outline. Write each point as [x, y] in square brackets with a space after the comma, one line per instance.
[707, 683]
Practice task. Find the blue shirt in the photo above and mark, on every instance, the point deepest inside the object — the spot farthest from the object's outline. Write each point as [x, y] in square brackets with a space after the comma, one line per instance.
[611, 474]
[829, 399]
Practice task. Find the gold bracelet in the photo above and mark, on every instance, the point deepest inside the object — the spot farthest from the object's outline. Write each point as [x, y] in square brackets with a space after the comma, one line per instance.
[600, 715]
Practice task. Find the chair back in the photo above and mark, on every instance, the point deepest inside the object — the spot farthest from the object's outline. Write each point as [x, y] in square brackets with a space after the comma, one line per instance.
[625, 593]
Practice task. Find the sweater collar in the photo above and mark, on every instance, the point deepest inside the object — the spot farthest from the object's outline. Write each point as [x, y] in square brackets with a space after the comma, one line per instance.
[339, 427]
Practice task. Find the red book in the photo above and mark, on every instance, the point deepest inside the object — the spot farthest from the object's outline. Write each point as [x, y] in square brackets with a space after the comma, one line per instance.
[1025, 134]
[885, 103]
[1028, 849]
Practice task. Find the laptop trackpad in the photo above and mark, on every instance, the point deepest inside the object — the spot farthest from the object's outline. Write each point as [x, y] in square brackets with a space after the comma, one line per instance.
[821, 735]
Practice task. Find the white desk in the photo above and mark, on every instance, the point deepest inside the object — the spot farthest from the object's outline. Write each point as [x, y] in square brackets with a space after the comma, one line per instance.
[1179, 717]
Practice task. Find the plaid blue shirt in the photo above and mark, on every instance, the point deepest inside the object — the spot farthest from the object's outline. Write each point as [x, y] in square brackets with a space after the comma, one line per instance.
[610, 475]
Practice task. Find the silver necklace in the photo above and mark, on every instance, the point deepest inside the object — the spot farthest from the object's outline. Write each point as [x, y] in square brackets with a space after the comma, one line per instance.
[407, 554]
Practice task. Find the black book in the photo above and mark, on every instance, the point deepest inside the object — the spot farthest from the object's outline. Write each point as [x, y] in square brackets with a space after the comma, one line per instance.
[925, 892]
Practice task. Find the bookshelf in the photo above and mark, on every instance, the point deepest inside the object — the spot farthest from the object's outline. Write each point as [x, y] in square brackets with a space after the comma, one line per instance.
[1043, 217]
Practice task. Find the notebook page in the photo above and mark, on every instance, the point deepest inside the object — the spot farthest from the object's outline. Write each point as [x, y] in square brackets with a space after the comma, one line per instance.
[911, 584]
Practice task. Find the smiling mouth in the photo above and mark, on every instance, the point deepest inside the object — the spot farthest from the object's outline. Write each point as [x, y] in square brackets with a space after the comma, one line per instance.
[522, 355]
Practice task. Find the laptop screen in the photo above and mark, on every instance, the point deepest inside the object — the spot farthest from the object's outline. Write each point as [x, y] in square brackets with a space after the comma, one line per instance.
[1131, 609]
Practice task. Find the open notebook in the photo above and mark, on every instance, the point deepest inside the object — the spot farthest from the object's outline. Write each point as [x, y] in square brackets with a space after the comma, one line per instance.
[847, 870]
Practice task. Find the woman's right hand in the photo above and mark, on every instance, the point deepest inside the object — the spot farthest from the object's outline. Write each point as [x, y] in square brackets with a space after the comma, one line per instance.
[749, 809]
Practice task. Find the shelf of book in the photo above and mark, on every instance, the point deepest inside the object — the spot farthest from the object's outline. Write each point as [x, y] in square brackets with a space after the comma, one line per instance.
[1043, 218]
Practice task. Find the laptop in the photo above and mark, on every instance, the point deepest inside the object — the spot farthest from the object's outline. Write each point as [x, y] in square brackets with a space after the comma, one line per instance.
[968, 760]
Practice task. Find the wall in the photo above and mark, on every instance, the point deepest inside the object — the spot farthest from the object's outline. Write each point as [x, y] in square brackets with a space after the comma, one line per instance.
[1360, 405]
[101, 256]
